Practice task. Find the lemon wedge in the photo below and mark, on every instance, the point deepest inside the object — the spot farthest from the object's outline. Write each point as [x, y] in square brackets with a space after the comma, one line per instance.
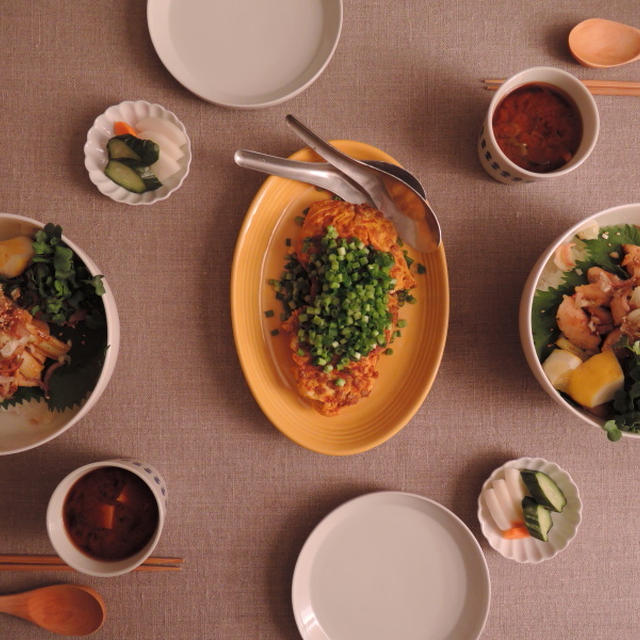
[596, 380]
[559, 366]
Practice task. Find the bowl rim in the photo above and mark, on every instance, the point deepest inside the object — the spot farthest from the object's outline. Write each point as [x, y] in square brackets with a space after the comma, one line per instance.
[518, 80]
[524, 315]
[113, 339]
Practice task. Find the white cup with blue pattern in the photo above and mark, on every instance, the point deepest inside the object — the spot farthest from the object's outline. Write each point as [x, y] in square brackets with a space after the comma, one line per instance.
[80, 560]
[493, 159]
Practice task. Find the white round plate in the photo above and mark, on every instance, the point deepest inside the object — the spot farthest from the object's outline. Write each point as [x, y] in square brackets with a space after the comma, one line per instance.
[565, 524]
[391, 565]
[245, 53]
[96, 156]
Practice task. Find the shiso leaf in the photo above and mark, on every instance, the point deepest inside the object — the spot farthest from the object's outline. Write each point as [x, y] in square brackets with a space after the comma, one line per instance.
[23, 394]
[70, 384]
[604, 251]
[543, 312]
[54, 287]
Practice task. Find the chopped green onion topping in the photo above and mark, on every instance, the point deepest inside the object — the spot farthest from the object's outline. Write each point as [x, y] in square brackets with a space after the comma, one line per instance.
[342, 295]
[408, 259]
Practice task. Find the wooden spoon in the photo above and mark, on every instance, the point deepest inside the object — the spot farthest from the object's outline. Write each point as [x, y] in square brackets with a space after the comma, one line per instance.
[67, 609]
[601, 44]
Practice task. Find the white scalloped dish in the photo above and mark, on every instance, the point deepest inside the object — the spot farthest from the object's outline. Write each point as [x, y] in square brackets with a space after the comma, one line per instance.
[565, 523]
[96, 155]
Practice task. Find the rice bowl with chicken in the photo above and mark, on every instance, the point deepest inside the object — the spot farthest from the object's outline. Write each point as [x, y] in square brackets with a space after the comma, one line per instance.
[580, 320]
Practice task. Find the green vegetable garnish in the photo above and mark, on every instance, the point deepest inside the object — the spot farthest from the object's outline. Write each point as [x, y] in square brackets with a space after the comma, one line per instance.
[342, 295]
[613, 432]
[626, 402]
[56, 284]
[57, 288]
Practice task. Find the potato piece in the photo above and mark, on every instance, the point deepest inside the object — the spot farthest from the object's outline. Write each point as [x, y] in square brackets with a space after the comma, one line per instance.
[15, 254]
[558, 366]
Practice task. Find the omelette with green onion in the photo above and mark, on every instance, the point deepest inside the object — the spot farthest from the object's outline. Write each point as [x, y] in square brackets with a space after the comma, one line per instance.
[341, 290]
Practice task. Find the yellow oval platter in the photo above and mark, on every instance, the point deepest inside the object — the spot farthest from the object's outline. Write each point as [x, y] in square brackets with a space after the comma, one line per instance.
[405, 377]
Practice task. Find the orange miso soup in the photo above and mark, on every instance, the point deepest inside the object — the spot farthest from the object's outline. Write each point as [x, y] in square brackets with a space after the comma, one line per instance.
[110, 513]
[538, 127]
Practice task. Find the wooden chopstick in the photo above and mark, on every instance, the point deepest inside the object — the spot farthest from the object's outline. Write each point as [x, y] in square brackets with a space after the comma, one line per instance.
[596, 87]
[10, 562]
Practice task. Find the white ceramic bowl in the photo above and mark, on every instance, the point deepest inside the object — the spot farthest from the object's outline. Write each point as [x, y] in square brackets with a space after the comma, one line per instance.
[96, 156]
[624, 214]
[493, 159]
[565, 524]
[31, 424]
[61, 541]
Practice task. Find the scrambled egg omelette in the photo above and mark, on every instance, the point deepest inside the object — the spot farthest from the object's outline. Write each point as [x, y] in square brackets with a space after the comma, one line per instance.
[329, 389]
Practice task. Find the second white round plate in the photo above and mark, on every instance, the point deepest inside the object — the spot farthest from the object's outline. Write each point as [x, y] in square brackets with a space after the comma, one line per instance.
[245, 53]
[391, 565]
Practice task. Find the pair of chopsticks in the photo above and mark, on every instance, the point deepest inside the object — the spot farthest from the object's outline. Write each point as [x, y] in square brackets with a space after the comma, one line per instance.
[596, 87]
[54, 563]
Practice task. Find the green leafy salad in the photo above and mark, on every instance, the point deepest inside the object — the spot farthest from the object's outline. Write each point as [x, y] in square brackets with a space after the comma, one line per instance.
[605, 251]
[57, 288]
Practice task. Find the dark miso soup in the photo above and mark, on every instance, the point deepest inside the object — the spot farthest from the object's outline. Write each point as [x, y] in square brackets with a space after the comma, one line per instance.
[110, 513]
[538, 127]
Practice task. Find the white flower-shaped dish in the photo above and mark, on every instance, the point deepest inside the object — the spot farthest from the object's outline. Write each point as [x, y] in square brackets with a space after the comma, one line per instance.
[96, 157]
[565, 524]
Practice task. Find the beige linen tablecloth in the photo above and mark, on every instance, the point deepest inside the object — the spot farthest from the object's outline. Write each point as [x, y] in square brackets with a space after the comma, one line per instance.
[242, 497]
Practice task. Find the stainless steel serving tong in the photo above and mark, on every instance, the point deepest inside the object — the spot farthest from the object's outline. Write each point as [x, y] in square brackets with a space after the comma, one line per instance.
[393, 190]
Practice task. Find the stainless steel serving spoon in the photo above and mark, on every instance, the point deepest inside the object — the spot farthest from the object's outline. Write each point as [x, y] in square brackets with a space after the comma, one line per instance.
[416, 227]
[320, 174]
[415, 220]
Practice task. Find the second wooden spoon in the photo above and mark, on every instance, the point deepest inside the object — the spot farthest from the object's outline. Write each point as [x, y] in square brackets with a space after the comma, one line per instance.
[601, 44]
[67, 609]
